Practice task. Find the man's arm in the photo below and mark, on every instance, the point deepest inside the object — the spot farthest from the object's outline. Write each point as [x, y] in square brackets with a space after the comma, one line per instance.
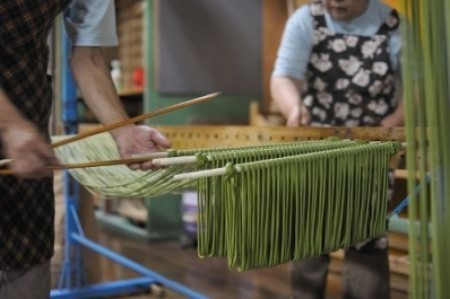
[93, 78]
[286, 95]
[30, 153]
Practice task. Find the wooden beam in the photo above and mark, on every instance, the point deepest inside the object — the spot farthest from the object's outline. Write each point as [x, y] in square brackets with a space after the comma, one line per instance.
[275, 14]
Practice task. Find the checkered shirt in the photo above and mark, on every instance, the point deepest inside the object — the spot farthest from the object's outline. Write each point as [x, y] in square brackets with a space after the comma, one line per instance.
[27, 206]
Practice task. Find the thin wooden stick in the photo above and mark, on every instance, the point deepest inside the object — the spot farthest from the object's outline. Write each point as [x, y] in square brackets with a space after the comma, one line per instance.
[150, 156]
[202, 174]
[134, 119]
[86, 165]
[135, 158]
[5, 161]
[218, 171]
[175, 160]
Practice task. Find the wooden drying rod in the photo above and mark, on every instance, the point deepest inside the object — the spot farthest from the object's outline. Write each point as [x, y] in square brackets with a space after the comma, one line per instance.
[217, 171]
[136, 119]
[111, 127]
[132, 160]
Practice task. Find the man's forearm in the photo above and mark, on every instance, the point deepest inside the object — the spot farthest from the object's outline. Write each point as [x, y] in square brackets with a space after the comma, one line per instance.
[95, 84]
[285, 93]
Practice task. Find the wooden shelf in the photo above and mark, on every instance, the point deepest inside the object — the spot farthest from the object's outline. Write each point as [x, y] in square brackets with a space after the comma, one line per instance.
[398, 264]
[126, 93]
[403, 174]
[131, 92]
[133, 209]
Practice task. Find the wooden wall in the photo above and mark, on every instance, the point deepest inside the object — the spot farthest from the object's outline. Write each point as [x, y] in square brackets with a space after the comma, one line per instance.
[275, 14]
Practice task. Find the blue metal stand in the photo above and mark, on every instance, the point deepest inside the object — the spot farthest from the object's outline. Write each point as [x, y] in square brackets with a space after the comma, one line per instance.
[72, 283]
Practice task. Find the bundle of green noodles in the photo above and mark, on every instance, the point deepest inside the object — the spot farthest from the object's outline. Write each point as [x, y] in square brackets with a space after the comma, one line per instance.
[117, 181]
[121, 182]
[281, 209]
[212, 190]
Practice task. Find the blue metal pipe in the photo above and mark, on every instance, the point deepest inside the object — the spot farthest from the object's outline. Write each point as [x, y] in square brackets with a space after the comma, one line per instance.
[76, 221]
[72, 273]
[136, 267]
[405, 202]
[71, 189]
[120, 287]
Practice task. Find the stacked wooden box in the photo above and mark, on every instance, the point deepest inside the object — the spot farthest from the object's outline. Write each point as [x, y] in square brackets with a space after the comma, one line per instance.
[130, 19]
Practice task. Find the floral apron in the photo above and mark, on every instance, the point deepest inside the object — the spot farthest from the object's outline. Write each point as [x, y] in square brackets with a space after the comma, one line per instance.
[351, 82]
[350, 78]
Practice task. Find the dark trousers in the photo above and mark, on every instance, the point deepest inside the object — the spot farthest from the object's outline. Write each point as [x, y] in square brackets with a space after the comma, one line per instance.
[365, 273]
[29, 283]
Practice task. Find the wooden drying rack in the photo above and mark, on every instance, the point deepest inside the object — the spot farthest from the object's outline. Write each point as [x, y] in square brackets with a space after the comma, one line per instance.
[204, 136]
[191, 137]
[183, 137]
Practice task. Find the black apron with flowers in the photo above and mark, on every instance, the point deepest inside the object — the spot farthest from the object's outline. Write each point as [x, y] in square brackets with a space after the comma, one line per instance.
[27, 206]
[350, 78]
[351, 82]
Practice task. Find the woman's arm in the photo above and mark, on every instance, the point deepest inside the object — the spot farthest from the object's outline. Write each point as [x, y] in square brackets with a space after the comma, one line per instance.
[286, 95]
[291, 65]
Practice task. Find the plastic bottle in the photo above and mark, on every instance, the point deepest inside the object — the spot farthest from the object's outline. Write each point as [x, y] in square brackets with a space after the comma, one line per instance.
[116, 74]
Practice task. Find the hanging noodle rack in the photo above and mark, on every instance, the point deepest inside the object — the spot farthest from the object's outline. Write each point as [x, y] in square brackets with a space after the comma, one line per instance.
[251, 212]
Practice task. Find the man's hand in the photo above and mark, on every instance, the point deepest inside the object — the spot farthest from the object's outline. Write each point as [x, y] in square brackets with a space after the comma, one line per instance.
[94, 81]
[139, 140]
[31, 155]
[298, 115]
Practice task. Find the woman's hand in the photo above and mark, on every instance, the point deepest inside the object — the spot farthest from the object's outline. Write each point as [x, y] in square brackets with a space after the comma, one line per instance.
[139, 140]
[298, 115]
[392, 120]
[396, 119]
[31, 155]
